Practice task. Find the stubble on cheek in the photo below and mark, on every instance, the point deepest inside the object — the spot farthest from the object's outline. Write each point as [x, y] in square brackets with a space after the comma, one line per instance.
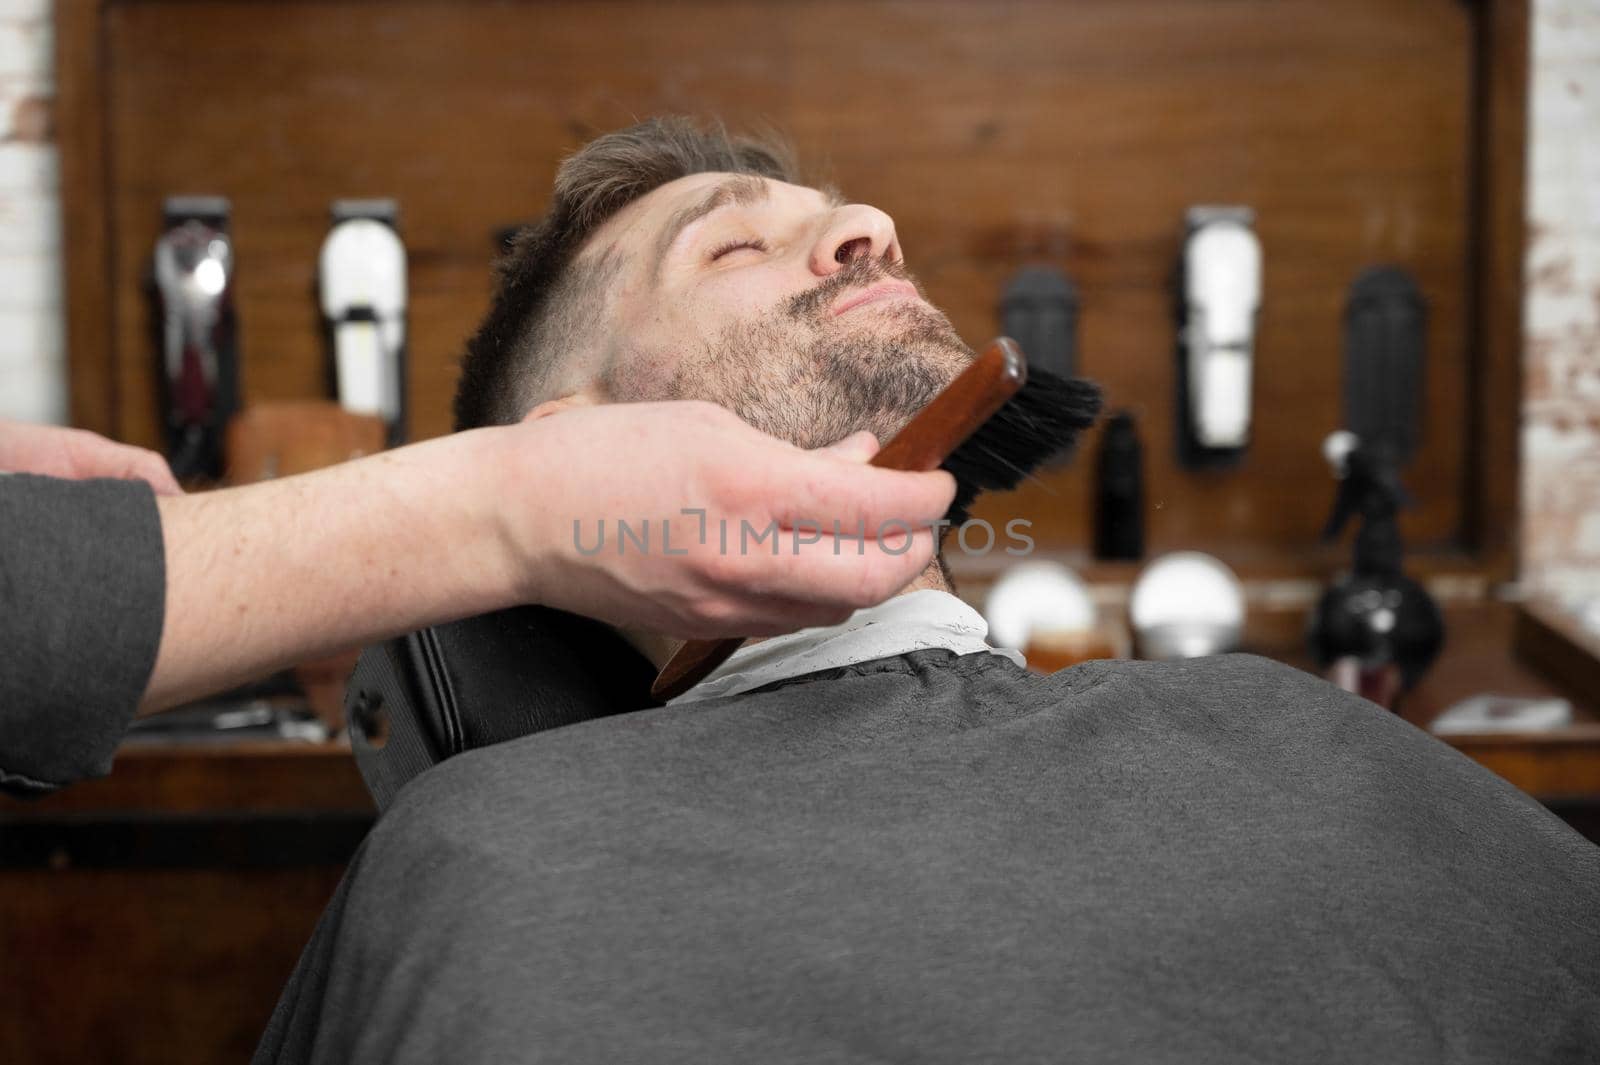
[798, 374]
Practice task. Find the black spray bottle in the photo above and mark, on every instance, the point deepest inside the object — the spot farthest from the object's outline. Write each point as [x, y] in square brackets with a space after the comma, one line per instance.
[1119, 491]
[1375, 631]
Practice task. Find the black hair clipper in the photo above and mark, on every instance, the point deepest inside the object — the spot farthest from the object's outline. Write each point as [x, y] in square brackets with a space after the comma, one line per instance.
[199, 369]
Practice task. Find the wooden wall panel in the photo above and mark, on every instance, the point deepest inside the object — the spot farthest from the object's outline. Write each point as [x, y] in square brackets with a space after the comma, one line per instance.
[996, 134]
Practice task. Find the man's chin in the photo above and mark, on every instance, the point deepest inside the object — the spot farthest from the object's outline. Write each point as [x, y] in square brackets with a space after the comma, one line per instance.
[888, 370]
[873, 369]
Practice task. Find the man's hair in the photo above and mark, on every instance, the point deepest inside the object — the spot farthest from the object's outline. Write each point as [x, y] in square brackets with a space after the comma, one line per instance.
[544, 299]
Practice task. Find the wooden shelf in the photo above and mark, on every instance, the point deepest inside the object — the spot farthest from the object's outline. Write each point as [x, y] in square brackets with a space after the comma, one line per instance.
[1560, 766]
[249, 778]
[267, 779]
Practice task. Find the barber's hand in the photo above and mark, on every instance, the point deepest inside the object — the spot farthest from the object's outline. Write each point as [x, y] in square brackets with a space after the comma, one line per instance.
[639, 461]
[77, 454]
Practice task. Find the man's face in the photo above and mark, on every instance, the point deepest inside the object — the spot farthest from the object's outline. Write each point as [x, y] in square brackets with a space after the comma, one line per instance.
[776, 301]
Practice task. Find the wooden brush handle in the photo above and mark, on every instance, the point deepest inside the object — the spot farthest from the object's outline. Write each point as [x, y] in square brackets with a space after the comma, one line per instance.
[926, 441]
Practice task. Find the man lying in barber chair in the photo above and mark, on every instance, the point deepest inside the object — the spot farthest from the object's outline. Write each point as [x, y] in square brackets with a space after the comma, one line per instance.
[885, 840]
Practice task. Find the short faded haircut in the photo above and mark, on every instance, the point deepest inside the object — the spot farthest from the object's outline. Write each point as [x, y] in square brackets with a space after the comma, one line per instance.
[547, 297]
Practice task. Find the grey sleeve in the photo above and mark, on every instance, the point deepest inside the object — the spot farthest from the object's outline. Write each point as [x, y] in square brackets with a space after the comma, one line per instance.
[82, 600]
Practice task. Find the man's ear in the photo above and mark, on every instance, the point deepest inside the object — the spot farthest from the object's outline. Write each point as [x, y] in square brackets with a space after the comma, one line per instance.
[556, 406]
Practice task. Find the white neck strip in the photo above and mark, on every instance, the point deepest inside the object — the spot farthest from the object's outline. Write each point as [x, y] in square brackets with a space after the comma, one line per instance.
[911, 622]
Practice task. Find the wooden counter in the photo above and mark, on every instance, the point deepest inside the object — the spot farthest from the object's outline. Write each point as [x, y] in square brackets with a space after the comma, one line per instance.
[260, 777]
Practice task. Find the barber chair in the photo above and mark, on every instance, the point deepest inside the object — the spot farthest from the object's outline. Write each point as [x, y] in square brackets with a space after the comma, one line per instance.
[418, 699]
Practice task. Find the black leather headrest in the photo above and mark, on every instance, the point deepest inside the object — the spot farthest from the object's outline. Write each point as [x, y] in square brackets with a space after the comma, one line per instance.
[421, 698]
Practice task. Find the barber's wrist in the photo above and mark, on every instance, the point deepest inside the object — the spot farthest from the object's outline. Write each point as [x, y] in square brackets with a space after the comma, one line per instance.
[512, 521]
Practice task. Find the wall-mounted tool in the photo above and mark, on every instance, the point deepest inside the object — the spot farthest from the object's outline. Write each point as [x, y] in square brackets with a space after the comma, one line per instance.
[1385, 342]
[199, 370]
[362, 281]
[1039, 310]
[1220, 292]
[1119, 491]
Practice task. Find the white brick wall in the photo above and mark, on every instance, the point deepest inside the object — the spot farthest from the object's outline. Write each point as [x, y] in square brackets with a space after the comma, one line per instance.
[1561, 405]
[32, 362]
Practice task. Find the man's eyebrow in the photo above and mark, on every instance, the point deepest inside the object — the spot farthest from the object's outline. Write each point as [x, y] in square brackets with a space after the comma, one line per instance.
[744, 190]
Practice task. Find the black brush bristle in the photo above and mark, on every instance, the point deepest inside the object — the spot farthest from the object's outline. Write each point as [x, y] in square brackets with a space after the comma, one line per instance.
[1040, 423]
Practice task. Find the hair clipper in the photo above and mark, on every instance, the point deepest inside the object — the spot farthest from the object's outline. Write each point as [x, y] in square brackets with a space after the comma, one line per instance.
[362, 283]
[199, 355]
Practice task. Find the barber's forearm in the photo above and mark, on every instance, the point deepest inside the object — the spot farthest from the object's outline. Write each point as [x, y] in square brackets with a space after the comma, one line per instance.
[267, 575]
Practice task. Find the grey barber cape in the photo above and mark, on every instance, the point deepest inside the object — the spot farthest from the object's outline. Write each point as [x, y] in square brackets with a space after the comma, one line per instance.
[936, 856]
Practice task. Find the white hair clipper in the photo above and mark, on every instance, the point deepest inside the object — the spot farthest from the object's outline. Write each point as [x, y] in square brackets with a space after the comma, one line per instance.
[1221, 292]
[362, 281]
[197, 340]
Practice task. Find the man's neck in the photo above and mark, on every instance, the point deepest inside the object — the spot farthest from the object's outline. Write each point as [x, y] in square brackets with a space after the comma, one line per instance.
[659, 648]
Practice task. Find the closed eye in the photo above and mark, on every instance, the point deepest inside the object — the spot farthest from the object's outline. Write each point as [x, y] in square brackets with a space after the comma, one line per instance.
[734, 245]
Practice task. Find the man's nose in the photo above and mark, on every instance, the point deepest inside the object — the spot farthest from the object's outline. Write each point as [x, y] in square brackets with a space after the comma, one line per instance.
[853, 232]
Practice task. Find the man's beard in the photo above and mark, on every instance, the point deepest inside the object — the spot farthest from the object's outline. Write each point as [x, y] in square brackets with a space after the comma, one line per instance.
[799, 374]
